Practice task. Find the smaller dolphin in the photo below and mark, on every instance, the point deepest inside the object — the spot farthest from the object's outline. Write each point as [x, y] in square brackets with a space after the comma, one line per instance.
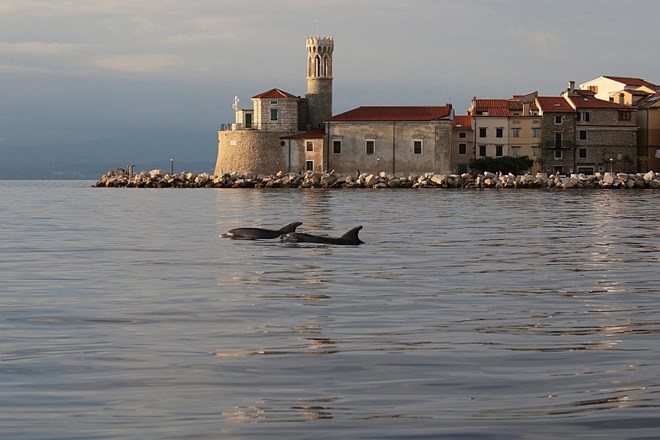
[259, 233]
[349, 238]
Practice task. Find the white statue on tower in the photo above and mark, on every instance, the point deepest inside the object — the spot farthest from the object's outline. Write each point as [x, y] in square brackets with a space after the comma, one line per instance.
[235, 104]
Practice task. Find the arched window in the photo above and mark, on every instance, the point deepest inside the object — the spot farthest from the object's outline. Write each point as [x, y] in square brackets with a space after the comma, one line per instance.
[317, 66]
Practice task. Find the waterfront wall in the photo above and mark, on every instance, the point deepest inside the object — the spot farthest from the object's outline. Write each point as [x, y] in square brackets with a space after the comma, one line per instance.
[159, 179]
[260, 151]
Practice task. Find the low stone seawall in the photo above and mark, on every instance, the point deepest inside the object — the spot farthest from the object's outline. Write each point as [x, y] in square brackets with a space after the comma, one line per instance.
[159, 179]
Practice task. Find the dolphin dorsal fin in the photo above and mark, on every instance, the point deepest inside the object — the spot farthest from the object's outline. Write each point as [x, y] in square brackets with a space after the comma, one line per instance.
[352, 234]
[291, 227]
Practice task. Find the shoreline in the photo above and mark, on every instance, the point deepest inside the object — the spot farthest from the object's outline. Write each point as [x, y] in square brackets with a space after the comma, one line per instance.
[158, 179]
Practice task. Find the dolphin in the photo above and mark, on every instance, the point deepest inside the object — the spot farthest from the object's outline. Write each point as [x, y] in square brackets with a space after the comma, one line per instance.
[259, 233]
[349, 238]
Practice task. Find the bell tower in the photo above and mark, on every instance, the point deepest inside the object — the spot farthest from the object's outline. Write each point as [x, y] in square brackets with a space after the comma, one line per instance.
[319, 79]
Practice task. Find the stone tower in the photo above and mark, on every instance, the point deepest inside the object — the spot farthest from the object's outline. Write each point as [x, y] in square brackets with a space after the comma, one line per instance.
[319, 79]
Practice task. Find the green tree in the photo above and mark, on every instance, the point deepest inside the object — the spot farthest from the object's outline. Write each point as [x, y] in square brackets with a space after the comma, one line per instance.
[503, 164]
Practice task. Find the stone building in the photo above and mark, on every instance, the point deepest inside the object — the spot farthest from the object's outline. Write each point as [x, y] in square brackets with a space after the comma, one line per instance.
[395, 139]
[462, 144]
[506, 127]
[645, 97]
[584, 134]
[648, 137]
[557, 134]
[270, 137]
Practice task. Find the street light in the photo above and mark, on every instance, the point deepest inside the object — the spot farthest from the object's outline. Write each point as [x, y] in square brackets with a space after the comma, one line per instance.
[378, 164]
[611, 165]
[172, 166]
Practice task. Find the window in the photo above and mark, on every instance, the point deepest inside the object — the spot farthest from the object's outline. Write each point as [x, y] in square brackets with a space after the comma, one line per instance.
[582, 153]
[273, 102]
[499, 132]
[273, 114]
[482, 150]
[462, 149]
[462, 135]
[583, 135]
[589, 171]
[536, 132]
[515, 132]
[482, 132]
[499, 150]
[310, 146]
[336, 146]
[558, 154]
[557, 120]
[583, 116]
[515, 151]
[625, 116]
[309, 165]
[536, 151]
[417, 146]
[370, 146]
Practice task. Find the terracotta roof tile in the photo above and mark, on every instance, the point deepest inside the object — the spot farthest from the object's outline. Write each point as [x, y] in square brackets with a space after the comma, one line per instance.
[409, 113]
[649, 101]
[554, 104]
[634, 82]
[274, 94]
[316, 133]
[464, 122]
[583, 100]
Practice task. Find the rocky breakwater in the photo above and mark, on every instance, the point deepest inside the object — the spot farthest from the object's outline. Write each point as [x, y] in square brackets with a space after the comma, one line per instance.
[159, 179]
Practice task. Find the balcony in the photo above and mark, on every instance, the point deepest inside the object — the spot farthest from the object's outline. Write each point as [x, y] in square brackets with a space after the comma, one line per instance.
[558, 145]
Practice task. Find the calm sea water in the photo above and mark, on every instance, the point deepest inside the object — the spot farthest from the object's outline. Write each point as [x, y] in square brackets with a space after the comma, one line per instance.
[467, 314]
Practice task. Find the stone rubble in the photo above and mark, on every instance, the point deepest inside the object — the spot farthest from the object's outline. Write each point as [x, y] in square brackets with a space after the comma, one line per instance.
[158, 179]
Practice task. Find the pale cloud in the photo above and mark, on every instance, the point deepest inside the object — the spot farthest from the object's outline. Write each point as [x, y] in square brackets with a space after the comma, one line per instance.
[23, 70]
[38, 48]
[142, 25]
[139, 63]
[537, 39]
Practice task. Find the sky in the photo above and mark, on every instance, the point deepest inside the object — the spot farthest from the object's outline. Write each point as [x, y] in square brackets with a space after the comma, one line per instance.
[92, 85]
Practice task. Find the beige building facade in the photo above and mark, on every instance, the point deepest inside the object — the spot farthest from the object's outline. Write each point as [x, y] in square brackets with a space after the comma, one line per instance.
[390, 139]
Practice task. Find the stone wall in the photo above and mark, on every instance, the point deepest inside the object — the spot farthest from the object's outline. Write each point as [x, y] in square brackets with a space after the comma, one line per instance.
[255, 151]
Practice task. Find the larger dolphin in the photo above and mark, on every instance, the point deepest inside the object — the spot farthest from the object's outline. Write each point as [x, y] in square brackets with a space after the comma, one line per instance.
[349, 238]
[259, 233]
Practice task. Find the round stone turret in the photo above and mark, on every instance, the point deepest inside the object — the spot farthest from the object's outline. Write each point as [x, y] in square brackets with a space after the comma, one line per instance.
[319, 79]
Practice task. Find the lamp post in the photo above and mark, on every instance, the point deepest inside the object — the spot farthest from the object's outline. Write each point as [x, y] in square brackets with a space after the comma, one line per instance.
[172, 166]
[378, 164]
[611, 165]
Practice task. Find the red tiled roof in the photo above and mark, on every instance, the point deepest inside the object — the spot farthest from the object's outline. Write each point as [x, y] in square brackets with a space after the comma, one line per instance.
[274, 94]
[316, 133]
[554, 104]
[587, 101]
[635, 82]
[463, 122]
[410, 113]
[494, 107]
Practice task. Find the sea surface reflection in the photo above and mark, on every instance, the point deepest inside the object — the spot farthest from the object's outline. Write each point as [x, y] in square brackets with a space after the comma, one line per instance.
[467, 314]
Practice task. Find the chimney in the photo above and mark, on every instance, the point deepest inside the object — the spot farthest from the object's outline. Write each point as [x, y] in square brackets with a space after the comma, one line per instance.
[622, 98]
[571, 86]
